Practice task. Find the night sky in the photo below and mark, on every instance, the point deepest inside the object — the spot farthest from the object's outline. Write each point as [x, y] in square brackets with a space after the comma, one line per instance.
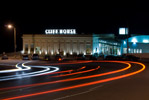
[100, 19]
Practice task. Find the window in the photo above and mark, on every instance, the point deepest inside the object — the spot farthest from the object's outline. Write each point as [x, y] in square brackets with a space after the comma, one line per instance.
[135, 51]
[140, 50]
[32, 47]
[124, 50]
[26, 48]
[131, 50]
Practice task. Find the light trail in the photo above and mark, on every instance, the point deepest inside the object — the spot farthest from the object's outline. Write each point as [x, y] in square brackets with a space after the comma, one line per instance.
[77, 72]
[73, 79]
[60, 72]
[81, 68]
[72, 62]
[81, 85]
[31, 74]
[18, 69]
[46, 69]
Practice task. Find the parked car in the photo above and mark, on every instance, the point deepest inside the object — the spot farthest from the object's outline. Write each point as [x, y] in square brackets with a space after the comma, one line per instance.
[58, 57]
[4, 57]
[35, 57]
[25, 57]
[80, 57]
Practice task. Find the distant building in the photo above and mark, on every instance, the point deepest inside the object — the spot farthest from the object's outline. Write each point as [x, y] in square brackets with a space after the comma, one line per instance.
[57, 44]
[74, 44]
[136, 44]
[105, 44]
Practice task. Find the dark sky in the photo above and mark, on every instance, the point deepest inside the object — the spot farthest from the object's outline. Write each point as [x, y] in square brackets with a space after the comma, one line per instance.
[33, 18]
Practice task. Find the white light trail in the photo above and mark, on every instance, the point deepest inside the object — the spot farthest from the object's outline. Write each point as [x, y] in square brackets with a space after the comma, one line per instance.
[30, 74]
[18, 68]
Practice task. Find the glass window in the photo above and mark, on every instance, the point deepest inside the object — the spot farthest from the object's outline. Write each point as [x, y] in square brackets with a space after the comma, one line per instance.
[140, 50]
[137, 50]
[131, 50]
[32, 47]
[26, 47]
[134, 50]
[124, 50]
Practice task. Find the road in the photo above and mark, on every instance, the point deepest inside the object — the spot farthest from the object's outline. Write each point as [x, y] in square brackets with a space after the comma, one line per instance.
[73, 80]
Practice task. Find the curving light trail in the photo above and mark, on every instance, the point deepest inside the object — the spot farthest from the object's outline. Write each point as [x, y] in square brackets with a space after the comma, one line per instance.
[19, 68]
[73, 79]
[82, 85]
[60, 72]
[77, 72]
[30, 74]
[72, 62]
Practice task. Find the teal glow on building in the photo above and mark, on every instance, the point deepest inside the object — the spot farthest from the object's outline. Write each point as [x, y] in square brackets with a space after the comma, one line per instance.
[89, 44]
[136, 44]
[105, 44]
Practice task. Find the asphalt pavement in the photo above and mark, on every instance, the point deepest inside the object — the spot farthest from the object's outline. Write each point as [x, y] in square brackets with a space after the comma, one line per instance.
[76, 80]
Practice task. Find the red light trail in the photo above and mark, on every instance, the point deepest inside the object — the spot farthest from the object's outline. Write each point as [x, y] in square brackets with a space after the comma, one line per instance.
[77, 72]
[86, 77]
[60, 72]
[73, 79]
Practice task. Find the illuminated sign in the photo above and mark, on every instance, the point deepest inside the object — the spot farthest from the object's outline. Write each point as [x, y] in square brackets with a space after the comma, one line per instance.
[123, 31]
[60, 31]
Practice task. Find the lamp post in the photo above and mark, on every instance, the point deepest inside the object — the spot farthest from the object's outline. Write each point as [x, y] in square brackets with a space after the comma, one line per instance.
[14, 30]
[59, 47]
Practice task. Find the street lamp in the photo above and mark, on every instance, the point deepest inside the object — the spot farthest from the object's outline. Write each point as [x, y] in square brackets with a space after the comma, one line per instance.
[14, 30]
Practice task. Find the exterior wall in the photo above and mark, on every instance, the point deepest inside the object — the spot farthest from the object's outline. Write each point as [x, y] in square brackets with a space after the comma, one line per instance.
[95, 44]
[105, 44]
[136, 44]
[55, 44]
[83, 44]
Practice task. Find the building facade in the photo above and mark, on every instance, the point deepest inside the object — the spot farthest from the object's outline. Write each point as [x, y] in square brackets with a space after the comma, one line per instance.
[105, 44]
[136, 44]
[67, 42]
[53, 44]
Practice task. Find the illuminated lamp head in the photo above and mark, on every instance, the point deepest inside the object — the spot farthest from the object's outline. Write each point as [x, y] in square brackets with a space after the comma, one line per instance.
[9, 26]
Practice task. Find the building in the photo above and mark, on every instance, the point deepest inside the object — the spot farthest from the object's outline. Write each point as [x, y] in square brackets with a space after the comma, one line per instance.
[67, 42]
[136, 44]
[70, 44]
[106, 44]
[57, 44]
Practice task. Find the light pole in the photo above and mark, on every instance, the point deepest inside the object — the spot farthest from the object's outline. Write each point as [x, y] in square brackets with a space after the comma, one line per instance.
[59, 47]
[14, 30]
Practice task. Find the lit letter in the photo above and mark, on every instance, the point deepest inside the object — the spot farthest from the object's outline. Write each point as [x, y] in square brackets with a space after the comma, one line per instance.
[73, 31]
[46, 31]
[61, 31]
[65, 31]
